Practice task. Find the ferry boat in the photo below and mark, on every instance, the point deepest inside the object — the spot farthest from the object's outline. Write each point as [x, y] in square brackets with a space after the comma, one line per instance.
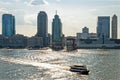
[79, 69]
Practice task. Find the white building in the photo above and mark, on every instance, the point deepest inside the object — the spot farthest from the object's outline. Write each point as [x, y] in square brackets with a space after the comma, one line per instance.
[86, 35]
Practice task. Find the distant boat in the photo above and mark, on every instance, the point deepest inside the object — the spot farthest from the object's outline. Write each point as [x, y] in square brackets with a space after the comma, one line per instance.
[79, 69]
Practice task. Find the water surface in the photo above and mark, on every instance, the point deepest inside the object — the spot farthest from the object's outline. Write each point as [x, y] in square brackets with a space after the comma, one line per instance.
[22, 64]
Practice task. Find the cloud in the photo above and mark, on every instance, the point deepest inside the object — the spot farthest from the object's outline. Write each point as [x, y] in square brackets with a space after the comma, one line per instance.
[37, 2]
[30, 19]
[10, 1]
[92, 10]
[17, 0]
[3, 3]
[3, 10]
[58, 0]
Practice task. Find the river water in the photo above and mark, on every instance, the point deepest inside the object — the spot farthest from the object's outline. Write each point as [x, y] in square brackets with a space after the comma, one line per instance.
[22, 64]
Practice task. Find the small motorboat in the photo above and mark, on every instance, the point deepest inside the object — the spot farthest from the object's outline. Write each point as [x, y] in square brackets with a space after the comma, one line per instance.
[79, 69]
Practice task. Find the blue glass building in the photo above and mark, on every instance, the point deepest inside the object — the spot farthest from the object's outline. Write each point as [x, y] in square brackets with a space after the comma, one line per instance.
[103, 27]
[57, 35]
[8, 25]
[56, 29]
[42, 27]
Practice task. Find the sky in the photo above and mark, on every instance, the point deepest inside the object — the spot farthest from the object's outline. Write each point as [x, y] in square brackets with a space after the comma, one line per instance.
[74, 14]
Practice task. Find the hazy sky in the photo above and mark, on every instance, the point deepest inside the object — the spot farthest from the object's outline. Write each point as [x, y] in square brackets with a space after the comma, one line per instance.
[74, 14]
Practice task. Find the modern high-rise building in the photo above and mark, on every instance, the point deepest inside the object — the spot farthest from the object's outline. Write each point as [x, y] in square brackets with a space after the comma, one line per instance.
[57, 35]
[103, 27]
[14, 31]
[8, 25]
[42, 27]
[114, 27]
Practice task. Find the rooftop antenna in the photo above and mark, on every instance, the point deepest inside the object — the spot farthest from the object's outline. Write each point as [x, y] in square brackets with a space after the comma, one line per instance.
[56, 12]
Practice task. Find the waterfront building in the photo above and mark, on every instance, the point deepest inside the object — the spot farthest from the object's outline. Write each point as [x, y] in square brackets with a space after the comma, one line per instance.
[17, 41]
[57, 35]
[82, 35]
[92, 36]
[35, 42]
[114, 27]
[103, 27]
[8, 25]
[85, 30]
[98, 43]
[42, 27]
[86, 35]
[3, 41]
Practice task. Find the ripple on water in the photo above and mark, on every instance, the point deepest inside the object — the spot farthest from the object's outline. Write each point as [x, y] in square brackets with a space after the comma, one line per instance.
[51, 65]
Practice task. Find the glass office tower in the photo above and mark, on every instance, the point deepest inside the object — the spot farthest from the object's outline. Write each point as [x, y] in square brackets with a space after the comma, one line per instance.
[103, 27]
[8, 25]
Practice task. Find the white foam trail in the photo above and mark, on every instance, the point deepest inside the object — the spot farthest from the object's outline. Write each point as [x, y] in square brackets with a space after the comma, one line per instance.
[36, 64]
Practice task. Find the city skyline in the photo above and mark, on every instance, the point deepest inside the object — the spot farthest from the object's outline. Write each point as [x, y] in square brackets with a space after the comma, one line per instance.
[85, 14]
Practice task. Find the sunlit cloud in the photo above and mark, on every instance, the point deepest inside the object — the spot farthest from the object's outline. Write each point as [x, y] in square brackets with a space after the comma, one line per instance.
[58, 0]
[36, 2]
[3, 10]
[92, 10]
[30, 19]
[39, 2]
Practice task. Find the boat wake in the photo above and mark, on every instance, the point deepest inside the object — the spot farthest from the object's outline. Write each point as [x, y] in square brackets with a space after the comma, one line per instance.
[56, 71]
[33, 63]
[49, 66]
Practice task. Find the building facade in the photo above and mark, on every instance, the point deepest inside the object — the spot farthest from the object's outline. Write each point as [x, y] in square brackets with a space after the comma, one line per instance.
[86, 35]
[42, 27]
[114, 27]
[85, 30]
[35, 42]
[17, 41]
[8, 25]
[103, 27]
[57, 35]
[4, 41]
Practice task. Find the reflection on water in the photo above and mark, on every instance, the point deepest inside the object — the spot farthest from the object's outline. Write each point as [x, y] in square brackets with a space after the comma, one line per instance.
[51, 65]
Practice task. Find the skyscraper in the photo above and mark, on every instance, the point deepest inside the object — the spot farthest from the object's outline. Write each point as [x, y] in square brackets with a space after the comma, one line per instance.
[42, 26]
[14, 31]
[57, 35]
[114, 27]
[103, 27]
[8, 25]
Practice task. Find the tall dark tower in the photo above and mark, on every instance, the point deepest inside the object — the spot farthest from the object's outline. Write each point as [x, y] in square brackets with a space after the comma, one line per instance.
[57, 35]
[14, 31]
[42, 26]
[114, 27]
[8, 25]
